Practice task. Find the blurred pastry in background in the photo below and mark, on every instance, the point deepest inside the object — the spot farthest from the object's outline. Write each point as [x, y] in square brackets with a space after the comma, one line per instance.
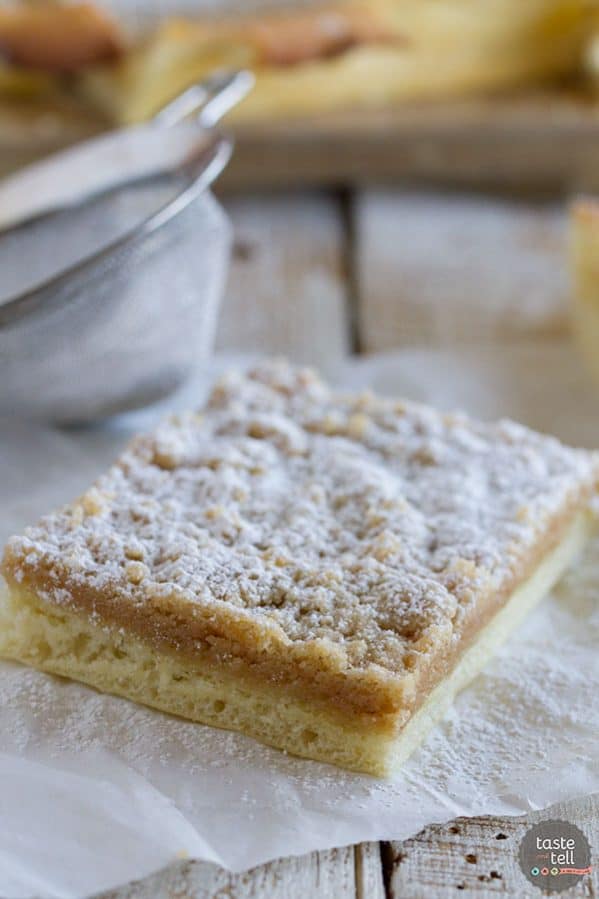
[56, 38]
[307, 59]
[370, 53]
[44, 46]
[40, 44]
[70, 70]
[584, 246]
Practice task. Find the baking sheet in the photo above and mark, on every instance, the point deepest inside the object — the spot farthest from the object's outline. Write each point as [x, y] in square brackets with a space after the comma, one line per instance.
[95, 791]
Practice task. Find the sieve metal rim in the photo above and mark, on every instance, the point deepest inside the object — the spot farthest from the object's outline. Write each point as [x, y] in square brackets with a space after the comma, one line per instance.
[28, 301]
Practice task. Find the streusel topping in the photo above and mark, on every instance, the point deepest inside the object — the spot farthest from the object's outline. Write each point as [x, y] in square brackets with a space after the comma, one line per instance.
[368, 522]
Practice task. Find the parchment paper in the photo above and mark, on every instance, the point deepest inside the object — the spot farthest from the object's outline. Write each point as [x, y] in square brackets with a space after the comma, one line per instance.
[95, 791]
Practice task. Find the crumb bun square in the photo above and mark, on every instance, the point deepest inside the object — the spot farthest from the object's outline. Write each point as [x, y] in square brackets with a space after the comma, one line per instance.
[300, 564]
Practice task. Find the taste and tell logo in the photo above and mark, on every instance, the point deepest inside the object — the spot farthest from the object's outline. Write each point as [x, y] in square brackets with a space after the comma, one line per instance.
[554, 855]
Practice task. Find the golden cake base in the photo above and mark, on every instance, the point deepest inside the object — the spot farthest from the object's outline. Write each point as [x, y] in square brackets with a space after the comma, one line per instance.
[62, 642]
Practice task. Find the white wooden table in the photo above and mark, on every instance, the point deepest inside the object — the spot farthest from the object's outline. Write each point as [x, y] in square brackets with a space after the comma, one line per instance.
[320, 275]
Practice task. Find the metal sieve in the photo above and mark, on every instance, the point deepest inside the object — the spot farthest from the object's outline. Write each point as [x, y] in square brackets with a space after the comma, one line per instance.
[110, 304]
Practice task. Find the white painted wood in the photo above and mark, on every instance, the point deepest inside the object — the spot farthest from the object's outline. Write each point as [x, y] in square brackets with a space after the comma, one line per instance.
[369, 871]
[478, 857]
[440, 269]
[320, 875]
[287, 290]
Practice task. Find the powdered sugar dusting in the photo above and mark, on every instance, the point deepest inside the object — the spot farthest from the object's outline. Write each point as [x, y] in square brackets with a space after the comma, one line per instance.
[530, 714]
[369, 523]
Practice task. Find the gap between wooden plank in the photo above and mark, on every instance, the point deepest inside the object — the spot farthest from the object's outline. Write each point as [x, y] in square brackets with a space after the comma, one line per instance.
[351, 256]
[386, 857]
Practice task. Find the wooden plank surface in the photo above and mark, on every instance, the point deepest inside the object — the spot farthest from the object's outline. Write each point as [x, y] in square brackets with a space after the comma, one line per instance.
[441, 269]
[287, 290]
[472, 857]
[352, 872]
[370, 881]
[479, 856]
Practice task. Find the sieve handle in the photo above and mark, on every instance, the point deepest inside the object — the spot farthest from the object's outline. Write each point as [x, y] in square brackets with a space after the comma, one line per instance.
[208, 101]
